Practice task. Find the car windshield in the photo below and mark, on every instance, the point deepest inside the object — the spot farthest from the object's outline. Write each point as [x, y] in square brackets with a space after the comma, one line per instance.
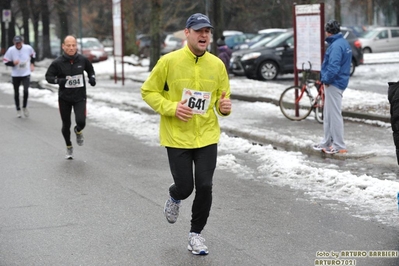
[370, 34]
[262, 42]
[92, 44]
[277, 41]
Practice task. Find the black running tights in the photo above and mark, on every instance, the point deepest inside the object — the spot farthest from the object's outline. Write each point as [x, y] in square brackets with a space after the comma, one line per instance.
[181, 163]
[16, 81]
[79, 108]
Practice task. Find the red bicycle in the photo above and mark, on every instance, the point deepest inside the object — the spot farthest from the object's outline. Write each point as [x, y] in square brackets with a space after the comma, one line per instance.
[297, 102]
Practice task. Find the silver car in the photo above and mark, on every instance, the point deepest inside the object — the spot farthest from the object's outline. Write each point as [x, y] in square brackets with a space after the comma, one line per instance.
[381, 39]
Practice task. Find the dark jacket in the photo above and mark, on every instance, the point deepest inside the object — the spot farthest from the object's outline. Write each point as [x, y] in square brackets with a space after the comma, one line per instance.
[64, 66]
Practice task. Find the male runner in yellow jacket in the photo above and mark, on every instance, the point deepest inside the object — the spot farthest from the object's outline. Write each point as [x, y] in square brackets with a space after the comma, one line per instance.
[187, 88]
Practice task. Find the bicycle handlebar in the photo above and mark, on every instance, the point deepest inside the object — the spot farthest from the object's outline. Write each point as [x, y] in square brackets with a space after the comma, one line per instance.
[309, 69]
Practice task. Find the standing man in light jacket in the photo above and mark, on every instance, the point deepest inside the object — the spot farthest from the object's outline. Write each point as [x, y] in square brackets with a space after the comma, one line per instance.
[188, 88]
[335, 73]
[21, 57]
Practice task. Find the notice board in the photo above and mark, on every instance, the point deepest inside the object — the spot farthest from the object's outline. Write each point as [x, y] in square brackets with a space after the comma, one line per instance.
[309, 36]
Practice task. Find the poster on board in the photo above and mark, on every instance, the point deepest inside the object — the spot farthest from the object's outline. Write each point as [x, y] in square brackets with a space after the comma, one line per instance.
[309, 37]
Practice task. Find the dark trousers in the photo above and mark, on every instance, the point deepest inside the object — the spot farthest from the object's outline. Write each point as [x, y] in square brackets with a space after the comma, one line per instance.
[17, 81]
[181, 162]
[79, 108]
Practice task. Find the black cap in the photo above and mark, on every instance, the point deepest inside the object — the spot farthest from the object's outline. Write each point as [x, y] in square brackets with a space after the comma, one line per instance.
[17, 39]
[198, 21]
[333, 26]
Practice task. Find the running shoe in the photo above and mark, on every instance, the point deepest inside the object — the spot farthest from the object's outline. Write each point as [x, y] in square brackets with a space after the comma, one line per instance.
[332, 150]
[171, 210]
[317, 147]
[196, 244]
[19, 115]
[79, 137]
[69, 153]
[26, 112]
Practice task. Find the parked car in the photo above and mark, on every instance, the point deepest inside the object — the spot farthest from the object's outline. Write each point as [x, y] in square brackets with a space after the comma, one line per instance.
[263, 34]
[143, 42]
[55, 46]
[356, 45]
[236, 67]
[381, 39]
[92, 49]
[277, 57]
[171, 43]
[233, 40]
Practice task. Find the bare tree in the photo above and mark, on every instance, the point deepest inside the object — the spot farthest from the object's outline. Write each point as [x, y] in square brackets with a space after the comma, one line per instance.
[155, 49]
[61, 8]
[24, 7]
[45, 15]
[7, 34]
[35, 17]
[217, 22]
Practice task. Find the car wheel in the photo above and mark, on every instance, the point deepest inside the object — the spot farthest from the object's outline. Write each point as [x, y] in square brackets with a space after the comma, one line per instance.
[367, 50]
[353, 66]
[268, 70]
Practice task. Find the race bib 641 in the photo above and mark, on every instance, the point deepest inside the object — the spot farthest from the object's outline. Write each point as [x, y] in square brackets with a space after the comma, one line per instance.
[198, 101]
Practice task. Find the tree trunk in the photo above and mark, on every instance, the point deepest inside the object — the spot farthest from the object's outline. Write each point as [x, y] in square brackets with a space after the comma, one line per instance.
[62, 11]
[35, 15]
[7, 34]
[337, 10]
[130, 28]
[46, 45]
[23, 5]
[155, 48]
[217, 22]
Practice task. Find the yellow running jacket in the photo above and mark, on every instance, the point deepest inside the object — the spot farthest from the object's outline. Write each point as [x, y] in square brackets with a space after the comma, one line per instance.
[205, 75]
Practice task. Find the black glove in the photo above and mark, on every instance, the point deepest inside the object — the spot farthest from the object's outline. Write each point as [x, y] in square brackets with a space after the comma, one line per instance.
[61, 81]
[92, 81]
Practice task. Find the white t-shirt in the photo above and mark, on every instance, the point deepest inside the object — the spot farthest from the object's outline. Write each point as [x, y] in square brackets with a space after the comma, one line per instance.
[23, 55]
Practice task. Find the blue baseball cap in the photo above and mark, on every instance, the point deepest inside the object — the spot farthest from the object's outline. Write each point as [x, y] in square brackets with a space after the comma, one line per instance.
[198, 21]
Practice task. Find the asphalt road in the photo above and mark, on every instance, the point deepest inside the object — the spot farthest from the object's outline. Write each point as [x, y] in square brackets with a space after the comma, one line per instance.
[105, 207]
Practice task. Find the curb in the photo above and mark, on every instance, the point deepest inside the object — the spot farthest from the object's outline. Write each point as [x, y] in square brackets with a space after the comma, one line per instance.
[344, 113]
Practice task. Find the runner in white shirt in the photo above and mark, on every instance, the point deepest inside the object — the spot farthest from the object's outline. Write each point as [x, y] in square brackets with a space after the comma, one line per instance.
[21, 57]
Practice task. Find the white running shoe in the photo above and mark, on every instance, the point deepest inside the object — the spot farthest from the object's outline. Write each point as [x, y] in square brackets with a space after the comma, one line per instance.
[196, 244]
[26, 112]
[171, 210]
[69, 153]
[19, 115]
[79, 137]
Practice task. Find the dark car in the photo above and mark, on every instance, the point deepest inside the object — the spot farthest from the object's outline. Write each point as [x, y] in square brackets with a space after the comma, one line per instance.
[233, 41]
[264, 34]
[265, 63]
[235, 61]
[143, 42]
[277, 57]
[357, 51]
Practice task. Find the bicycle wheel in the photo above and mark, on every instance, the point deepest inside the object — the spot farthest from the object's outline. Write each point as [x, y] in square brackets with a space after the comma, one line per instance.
[318, 110]
[294, 104]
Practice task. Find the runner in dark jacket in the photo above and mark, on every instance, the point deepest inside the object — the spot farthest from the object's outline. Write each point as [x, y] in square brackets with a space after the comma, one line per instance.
[68, 72]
